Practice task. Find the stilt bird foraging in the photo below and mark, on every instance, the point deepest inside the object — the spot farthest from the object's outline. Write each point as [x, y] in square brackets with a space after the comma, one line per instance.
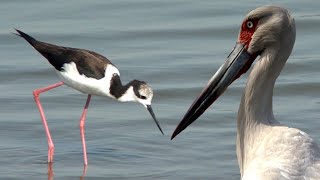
[265, 148]
[89, 73]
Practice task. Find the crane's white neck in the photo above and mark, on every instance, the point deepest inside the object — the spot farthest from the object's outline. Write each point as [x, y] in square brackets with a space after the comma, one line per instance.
[256, 102]
[255, 111]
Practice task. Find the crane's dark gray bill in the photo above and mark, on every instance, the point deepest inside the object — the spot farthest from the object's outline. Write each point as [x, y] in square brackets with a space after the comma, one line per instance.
[237, 63]
[154, 117]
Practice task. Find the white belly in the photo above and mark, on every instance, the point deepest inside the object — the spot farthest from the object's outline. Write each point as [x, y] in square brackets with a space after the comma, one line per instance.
[282, 153]
[101, 87]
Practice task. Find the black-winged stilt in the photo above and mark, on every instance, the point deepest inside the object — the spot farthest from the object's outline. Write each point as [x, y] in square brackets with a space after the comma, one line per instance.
[89, 73]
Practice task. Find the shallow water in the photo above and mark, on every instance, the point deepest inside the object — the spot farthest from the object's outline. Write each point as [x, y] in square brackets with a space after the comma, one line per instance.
[175, 46]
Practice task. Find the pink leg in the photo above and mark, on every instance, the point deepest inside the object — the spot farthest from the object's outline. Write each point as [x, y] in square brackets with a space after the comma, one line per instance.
[50, 171]
[36, 94]
[84, 173]
[82, 121]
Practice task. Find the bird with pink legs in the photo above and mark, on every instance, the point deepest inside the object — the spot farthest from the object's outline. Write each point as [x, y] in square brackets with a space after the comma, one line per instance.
[91, 74]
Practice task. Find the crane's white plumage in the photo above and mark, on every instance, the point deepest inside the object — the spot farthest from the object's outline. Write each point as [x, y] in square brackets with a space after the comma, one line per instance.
[266, 149]
[279, 152]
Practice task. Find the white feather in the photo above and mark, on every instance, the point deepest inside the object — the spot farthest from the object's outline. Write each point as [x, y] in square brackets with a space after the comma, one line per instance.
[267, 150]
[128, 96]
[101, 87]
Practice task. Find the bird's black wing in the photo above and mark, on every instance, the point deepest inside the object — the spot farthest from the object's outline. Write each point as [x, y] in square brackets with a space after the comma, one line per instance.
[89, 63]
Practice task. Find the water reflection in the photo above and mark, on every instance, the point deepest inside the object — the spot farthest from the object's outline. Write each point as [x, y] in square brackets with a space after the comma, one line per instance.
[51, 172]
[84, 172]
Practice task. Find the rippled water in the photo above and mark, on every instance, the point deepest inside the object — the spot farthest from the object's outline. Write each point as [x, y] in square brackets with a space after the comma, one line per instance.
[173, 45]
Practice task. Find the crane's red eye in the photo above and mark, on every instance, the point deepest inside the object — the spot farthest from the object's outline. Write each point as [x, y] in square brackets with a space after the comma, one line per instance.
[247, 30]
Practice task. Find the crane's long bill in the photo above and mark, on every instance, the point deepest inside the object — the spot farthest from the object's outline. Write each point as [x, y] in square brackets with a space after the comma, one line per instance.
[154, 117]
[237, 63]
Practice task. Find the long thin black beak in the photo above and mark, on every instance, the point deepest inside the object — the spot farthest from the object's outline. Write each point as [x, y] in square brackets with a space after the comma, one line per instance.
[237, 63]
[154, 117]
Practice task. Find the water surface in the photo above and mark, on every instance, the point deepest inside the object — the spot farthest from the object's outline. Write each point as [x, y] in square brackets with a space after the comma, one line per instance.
[175, 46]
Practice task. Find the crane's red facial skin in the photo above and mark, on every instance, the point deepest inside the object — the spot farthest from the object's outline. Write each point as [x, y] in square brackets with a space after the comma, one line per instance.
[248, 28]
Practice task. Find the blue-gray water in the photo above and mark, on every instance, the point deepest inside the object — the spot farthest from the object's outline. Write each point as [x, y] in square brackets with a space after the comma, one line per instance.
[175, 46]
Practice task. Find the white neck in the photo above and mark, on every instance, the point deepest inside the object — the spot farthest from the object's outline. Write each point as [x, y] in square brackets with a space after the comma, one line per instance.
[255, 111]
[128, 95]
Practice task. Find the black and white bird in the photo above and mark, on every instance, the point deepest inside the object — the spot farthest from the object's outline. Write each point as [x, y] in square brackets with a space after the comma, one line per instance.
[89, 73]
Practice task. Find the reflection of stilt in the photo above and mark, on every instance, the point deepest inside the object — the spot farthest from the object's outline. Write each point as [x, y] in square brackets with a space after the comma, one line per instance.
[50, 171]
[84, 172]
[51, 174]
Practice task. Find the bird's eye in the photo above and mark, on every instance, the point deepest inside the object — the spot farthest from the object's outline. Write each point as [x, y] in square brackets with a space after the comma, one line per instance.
[249, 24]
[143, 97]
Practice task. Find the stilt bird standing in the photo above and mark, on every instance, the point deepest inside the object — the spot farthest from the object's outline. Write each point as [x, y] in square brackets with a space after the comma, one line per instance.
[89, 73]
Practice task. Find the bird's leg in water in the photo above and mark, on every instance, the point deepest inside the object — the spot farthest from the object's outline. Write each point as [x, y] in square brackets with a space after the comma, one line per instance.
[36, 94]
[82, 122]
[84, 172]
[50, 171]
